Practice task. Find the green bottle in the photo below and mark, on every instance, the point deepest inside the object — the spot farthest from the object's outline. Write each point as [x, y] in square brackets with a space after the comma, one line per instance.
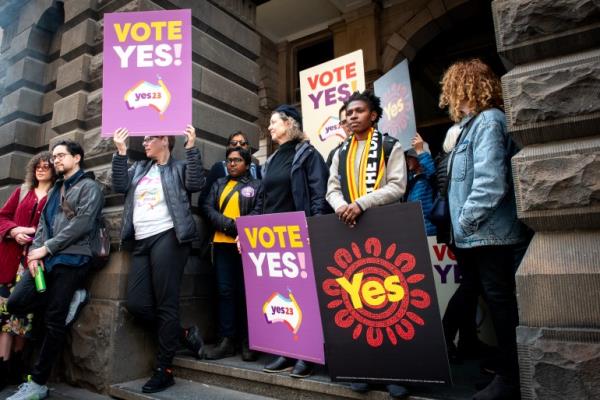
[40, 282]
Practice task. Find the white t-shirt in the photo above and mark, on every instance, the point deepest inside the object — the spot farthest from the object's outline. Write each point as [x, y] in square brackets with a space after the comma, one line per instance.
[150, 212]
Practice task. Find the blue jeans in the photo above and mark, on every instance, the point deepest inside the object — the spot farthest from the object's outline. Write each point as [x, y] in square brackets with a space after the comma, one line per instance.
[230, 287]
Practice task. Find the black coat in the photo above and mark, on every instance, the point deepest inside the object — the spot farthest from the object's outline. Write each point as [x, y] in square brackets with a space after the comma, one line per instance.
[309, 176]
[250, 201]
[178, 178]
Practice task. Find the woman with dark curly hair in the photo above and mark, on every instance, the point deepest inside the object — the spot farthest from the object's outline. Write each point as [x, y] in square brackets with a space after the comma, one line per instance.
[484, 225]
[18, 221]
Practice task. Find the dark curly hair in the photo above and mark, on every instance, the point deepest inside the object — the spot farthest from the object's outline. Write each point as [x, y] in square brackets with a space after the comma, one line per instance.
[368, 97]
[30, 178]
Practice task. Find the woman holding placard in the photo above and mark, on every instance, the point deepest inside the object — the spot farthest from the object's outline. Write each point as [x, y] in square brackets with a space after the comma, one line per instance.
[157, 219]
[294, 179]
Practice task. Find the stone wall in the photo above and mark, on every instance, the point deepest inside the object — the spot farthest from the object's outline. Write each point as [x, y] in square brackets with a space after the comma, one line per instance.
[551, 98]
[52, 90]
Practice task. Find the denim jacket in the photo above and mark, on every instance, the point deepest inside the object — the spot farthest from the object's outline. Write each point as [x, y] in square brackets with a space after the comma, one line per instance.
[481, 194]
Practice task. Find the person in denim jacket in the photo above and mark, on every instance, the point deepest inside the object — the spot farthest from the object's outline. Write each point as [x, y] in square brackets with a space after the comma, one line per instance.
[485, 227]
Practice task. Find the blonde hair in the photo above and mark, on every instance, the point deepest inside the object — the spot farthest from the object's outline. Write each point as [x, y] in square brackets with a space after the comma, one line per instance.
[472, 82]
[293, 132]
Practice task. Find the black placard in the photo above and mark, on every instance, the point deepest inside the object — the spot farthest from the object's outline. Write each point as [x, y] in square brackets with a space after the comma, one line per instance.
[399, 340]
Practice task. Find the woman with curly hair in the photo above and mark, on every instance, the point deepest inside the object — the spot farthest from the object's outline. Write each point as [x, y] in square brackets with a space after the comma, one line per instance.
[18, 221]
[485, 228]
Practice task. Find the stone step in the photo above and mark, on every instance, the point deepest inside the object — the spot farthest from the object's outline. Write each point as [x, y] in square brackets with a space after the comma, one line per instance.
[183, 390]
[248, 377]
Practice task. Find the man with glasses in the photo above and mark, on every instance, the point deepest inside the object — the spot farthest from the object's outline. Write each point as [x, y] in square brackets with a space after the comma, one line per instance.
[61, 248]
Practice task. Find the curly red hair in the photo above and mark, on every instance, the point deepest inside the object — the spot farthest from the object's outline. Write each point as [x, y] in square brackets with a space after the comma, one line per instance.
[472, 82]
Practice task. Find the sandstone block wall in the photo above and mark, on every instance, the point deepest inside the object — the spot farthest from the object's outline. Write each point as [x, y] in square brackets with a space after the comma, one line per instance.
[552, 97]
[51, 89]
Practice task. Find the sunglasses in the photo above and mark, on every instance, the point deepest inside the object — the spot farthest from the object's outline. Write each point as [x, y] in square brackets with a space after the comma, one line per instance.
[237, 143]
[44, 167]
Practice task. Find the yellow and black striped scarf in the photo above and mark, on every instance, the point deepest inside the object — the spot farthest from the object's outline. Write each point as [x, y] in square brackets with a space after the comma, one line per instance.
[371, 169]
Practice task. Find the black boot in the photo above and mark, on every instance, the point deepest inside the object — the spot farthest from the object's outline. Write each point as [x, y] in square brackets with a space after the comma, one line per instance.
[500, 388]
[17, 373]
[247, 354]
[4, 372]
[225, 348]
[192, 340]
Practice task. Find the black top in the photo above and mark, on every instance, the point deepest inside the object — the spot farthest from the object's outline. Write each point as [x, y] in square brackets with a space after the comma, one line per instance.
[277, 184]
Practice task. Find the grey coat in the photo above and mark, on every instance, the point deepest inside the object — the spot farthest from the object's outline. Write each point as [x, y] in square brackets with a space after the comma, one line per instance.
[72, 233]
[178, 178]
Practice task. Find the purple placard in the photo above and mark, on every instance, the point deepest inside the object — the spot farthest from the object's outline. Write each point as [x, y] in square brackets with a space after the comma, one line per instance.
[147, 72]
[281, 293]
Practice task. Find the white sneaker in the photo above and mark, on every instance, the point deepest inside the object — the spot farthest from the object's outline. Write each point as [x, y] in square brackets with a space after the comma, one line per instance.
[80, 298]
[30, 391]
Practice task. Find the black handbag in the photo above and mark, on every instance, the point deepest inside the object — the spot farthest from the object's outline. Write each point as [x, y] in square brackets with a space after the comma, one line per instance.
[440, 211]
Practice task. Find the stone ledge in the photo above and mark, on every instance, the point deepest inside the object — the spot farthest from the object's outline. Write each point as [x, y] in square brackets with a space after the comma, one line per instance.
[12, 165]
[559, 363]
[25, 72]
[221, 123]
[223, 24]
[74, 76]
[554, 99]
[532, 30]
[557, 185]
[22, 101]
[69, 112]
[558, 280]
[21, 132]
[82, 38]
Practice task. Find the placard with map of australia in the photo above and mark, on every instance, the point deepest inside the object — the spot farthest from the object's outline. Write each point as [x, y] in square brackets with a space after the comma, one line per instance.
[147, 72]
[281, 296]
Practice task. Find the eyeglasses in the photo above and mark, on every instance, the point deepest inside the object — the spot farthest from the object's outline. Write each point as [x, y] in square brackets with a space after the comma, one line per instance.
[236, 160]
[42, 167]
[149, 139]
[237, 143]
[58, 156]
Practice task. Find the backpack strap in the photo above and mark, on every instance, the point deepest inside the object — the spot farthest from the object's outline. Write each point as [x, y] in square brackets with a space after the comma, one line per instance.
[388, 145]
[23, 192]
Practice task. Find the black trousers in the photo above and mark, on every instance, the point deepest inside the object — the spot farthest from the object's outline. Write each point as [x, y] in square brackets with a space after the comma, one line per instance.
[153, 289]
[230, 284]
[461, 312]
[61, 284]
[492, 268]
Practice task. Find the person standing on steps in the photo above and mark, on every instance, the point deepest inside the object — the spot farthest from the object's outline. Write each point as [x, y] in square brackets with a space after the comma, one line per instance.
[489, 238]
[294, 179]
[61, 251]
[19, 218]
[157, 219]
[352, 188]
[230, 197]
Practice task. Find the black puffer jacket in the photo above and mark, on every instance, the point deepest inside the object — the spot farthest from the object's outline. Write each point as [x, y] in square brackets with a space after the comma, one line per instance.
[441, 173]
[178, 178]
[250, 198]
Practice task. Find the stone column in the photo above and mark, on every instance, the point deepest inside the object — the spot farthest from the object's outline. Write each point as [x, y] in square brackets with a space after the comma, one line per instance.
[553, 109]
[106, 345]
